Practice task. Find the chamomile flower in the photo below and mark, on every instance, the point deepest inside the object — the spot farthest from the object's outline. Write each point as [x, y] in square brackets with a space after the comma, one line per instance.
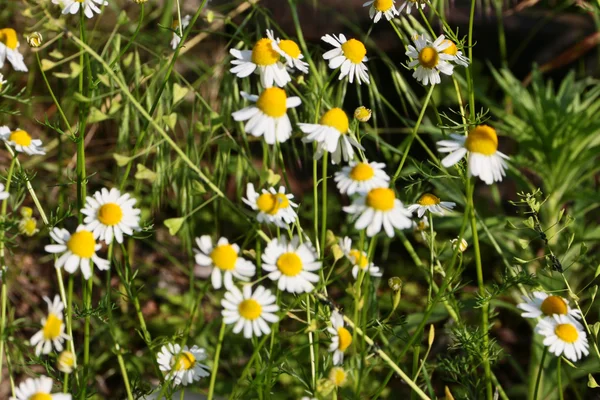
[408, 4]
[289, 50]
[481, 145]
[52, 334]
[332, 135]
[363, 114]
[360, 177]
[359, 259]
[452, 50]
[250, 311]
[78, 251]
[564, 336]
[21, 141]
[182, 365]
[263, 57]
[542, 304]
[66, 362]
[379, 207]
[274, 207]
[176, 38]
[341, 338]
[9, 49]
[430, 59]
[431, 203]
[291, 264]
[380, 8]
[89, 6]
[38, 389]
[109, 214]
[224, 260]
[350, 55]
[338, 376]
[28, 226]
[268, 117]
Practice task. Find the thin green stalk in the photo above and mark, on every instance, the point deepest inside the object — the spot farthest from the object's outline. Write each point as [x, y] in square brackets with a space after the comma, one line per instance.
[431, 254]
[87, 304]
[215, 368]
[56, 103]
[559, 379]
[539, 374]
[123, 372]
[313, 361]
[469, 70]
[324, 209]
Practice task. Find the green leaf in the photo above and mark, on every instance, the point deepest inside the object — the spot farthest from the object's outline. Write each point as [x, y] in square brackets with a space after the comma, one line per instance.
[198, 188]
[114, 107]
[75, 69]
[61, 75]
[104, 79]
[596, 328]
[96, 115]
[121, 160]
[145, 173]
[520, 260]
[174, 225]
[592, 382]
[530, 223]
[57, 54]
[583, 249]
[47, 64]
[127, 60]
[179, 93]
[81, 98]
[170, 120]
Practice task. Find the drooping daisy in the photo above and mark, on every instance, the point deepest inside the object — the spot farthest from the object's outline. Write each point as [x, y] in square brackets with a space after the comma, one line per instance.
[408, 4]
[350, 55]
[338, 376]
[249, 311]
[9, 49]
[379, 207]
[38, 389]
[79, 250]
[274, 207]
[268, 117]
[341, 338]
[263, 57]
[289, 50]
[182, 365]
[430, 59]
[109, 214]
[544, 305]
[381, 8]
[452, 50]
[359, 259]
[89, 6]
[176, 38]
[360, 177]
[481, 145]
[52, 334]
[431, 203]
[21, 141]
[65, 362]
[224, 260]
[291, 264]
[564, 336]
[332, 134]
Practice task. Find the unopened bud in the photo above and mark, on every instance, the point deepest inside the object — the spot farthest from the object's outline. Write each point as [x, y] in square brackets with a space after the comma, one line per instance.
[362, 114]
[66, 361]
[395, 283]
[462, 247]
[26, 212]
[35, 39]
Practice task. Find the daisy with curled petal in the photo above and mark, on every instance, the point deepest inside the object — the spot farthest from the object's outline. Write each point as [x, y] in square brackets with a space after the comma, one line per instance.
[542, 304]
[379, 207]
[250, 311]
[452, 50]
[263, 57]
[350, 55]
[274, 207]
[21, 141]
[89, 6]
[359, 259]
[360, 177]
[430, 59]
[52, 334]
[224, 260]
[182, 365]
[431, 203]
[341, 338]
[381, 8]
[289, 50]
[176, 30]
[38, 389]
[291, 264]
[78, 251]
[9, 49]
[481, 145]
[407, 4]
[268, 117]
[563, 336]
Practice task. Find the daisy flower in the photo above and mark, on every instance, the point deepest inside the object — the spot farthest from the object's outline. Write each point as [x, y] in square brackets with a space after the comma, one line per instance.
[481, 145]
[21, 141]
[249, 311]
[224, 260]
[332, 135]
[338, 376]
[381, 8]
[363, 114]
[109, 214]
[182, 365]
[379, 207]
[431, 203]
[268, 117]
[452, 50]
[78, 250]
[341, 338]
[289, 50]
[359, 259]
[9, 49]
[563, 336]
[430, 59]
[274, 207]
[348, 54]
[544, 305]
[176, 38]
[89, 6]
[291, 264]
[263, 57]
[407, 4]
[28, 226]
[360, 177]
[38, 389]
[52, 333]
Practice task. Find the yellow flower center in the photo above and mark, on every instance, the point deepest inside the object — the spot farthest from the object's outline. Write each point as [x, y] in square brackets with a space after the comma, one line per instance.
[482, 139]
[52, 327]
[8, 36]
[82, 244]
[336, 118]
[289, 264]
[185, 361]
[345, 338]
[272, 102]
[66, 359]
[451, 49]
[428, 57]
[381, 199]
[362, 172]
[360, 258]
[40, 396]
[110, 214]
[362, 113]
[224, 257]
[554, 305]
[354, 51]
[383, 5]
[271, 203]
[250, 309]
[290, 48]
[338, 376]
[567, 333]
[263, 53]
[20, 138]
[28, 226]
[429, 200]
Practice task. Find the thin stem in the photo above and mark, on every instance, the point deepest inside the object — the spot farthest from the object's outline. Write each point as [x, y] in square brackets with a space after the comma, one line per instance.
[313, 362]
[324, 208]
[215, 368]
[539, 374]
[56, 103]
[559, 379]
[470, 68]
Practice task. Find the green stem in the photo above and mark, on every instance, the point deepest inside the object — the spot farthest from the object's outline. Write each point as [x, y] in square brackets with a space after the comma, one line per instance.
[215, 368]
[324, 208]
[559, 378]
[470, 68]
[56, 103]
[539, 374]
[123, 372]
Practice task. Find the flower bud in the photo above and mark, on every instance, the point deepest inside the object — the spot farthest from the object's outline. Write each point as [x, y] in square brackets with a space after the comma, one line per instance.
[395, 283]
[140, 1]
[462, 247]
[362, 114]
[26, 212]
[66, 361]
[35, 39]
